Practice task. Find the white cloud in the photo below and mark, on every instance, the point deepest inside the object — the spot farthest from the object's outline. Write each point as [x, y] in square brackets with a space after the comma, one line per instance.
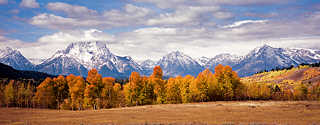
[177, 3]
[243, 22]
[243, 2]
[223, 15]
[188, 26]
[64, 23]
[156, 31]
[71, 10]
[29, 4]
[3, 1]
[56, 22]
[186, 15]
[155, 42]
[130, 16]
[47, 45]
[74, 36]
[14, 43]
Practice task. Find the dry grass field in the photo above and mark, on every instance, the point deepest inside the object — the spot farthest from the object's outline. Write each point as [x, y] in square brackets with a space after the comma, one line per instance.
[233, 112]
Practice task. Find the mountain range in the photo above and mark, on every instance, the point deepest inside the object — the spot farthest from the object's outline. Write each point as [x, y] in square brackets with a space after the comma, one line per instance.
[79, 57]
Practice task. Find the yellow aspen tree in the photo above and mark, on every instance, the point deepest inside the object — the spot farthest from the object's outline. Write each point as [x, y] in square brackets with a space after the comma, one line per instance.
[77, 94]
[20, 95]
[45, 94]
[2, 95]
[185, 91]
[90, 95]
[159, 85]
[132, 89]
[200, 85]
[107, 91]
[61, 89]
[173, 91]
[9, 93]
[94, 78]
[117, 95]
[146, 92]
[28, 95]
[227, 83]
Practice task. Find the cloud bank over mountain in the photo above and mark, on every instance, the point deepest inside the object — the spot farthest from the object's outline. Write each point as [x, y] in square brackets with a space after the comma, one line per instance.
[147, 29]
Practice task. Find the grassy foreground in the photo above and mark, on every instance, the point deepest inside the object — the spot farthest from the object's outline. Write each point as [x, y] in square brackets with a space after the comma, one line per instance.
[233, 112]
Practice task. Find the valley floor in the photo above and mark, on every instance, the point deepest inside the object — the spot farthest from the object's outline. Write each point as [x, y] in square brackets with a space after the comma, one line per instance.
[233, 112]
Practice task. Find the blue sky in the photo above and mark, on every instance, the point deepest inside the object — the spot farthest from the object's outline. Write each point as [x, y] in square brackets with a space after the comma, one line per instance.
[148, 29]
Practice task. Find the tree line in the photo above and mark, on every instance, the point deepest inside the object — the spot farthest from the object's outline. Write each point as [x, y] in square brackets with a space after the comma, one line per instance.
[97, 92]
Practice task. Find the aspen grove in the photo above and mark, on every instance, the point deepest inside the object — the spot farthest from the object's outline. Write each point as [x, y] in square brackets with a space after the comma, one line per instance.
[95, 92]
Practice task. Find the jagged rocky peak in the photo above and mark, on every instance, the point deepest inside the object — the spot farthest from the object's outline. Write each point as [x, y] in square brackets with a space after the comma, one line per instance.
[265, 49]
[203, 60]
[15, 59]
[89, 53]
[148, 63]
[226, 56]
[178, 63]
[7, 51]
[177, 55]
[88, 48]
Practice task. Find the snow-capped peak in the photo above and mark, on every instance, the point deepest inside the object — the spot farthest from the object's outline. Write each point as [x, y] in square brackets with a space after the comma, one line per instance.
[95, 55]
[178, 63]
[263, 47]
[203, 60]
[176, 54]
[7, 51]
[147, 64]
[14, 58]
[88, 53]
[177, 58]
[226, 56]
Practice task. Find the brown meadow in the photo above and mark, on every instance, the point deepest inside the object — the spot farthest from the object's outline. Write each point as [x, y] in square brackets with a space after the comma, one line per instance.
[220, 112]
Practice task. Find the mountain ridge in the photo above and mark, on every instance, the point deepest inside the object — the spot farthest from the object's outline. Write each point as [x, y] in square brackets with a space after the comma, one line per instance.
[79, 57]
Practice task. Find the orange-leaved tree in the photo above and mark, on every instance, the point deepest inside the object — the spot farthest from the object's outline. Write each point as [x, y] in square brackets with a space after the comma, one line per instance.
[159, 85]
[132, 89]
[45, 95]
[95, 80]
[173, 90]
[10, 93]
[107, 92]
[185, 92]
[61, 89]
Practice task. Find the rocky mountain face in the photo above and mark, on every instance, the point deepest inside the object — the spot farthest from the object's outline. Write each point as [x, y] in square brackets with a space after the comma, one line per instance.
[224, 59]
[80, 57]
[267, 58]
[15, 59]
[147, 66]
[61, 64]
[178, 63]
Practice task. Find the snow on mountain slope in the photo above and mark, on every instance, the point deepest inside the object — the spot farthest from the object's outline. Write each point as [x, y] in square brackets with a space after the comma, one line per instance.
[15, 59]
[267, 58]
[177, 63]
[203, 61]
[36, 61]
[94, 55]
[80, 57]
[148, 64]
[62, 65]
[224, 59]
